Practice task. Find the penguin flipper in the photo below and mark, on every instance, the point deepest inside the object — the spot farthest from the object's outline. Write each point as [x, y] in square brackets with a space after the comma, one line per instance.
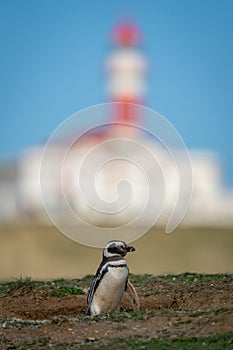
[131, 291]
[91, 292]
[94, 285]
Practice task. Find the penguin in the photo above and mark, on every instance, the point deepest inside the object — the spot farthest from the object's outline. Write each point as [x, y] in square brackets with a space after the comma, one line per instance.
[111, 281]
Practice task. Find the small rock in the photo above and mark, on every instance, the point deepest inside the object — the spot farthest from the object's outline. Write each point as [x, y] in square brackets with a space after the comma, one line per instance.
[91, 339]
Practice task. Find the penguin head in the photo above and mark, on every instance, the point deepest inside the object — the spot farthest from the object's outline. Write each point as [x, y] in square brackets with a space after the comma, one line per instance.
[117, 248]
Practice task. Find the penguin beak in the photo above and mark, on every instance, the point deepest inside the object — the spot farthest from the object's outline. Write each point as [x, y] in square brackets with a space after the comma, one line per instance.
[130, 249]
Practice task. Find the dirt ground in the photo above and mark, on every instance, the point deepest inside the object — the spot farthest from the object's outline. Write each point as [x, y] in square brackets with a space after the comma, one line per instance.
[45, 315]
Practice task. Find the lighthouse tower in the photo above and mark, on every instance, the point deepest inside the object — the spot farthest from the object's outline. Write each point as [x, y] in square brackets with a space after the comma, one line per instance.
[126, 71]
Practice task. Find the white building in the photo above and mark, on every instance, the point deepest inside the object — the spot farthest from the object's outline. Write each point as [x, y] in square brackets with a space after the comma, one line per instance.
[211, 203]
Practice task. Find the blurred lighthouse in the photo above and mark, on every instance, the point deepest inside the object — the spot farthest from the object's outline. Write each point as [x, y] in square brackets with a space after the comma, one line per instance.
[126, 73]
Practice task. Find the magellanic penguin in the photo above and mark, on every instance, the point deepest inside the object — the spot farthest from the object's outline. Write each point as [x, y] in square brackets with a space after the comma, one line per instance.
[111, 280]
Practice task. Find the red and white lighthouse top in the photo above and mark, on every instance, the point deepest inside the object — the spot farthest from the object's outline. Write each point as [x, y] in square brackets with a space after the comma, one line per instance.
[126, 34]
[126, 65]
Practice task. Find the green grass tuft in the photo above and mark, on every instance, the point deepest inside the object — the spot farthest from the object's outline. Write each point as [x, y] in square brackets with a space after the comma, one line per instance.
[194, 277]
[17, 283]
[66, 290]
[138, 280]
[217, 342]
[119, 316]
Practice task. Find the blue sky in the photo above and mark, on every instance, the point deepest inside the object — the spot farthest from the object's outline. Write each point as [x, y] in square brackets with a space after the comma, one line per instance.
[52, 56]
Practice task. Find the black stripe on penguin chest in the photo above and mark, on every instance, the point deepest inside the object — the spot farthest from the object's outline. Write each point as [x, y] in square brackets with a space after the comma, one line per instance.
[106, 270]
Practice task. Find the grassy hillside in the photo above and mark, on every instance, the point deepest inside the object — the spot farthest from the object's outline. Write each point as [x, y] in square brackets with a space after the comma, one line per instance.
[186, 311]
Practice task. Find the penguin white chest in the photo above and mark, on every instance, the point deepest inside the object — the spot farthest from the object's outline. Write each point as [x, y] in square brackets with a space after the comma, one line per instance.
[110, 291]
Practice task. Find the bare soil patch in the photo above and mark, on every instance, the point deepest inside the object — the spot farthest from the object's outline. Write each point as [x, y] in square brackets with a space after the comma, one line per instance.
[187, 305]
